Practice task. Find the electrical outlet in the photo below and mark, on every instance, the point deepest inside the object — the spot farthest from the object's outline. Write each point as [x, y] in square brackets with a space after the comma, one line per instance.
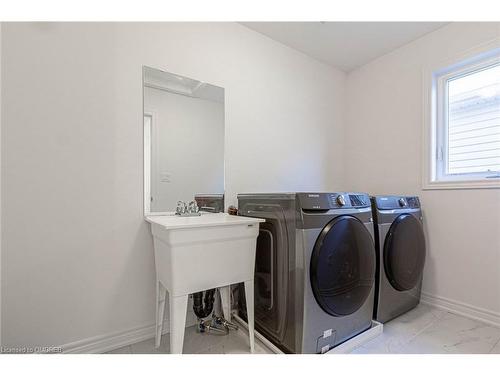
[165, 177]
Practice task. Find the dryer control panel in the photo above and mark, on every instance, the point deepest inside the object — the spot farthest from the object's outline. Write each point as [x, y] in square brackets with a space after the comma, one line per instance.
[328, 201]
[394, 202]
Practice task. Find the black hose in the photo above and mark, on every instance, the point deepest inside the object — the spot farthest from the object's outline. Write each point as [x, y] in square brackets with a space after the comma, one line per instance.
[202, 310]
[198, 304]
[209, 301]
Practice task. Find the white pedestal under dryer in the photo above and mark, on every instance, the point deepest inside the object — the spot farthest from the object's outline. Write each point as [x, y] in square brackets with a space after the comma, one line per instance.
[401, 251]
[315, 268]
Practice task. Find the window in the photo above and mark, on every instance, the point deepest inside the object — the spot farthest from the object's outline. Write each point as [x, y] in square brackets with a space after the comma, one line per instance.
[474, 122]
[465, 132]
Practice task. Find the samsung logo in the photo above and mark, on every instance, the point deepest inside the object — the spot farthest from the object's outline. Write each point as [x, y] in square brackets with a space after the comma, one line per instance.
[313, 195]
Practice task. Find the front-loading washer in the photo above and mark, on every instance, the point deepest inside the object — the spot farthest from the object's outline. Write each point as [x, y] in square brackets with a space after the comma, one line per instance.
[400, 244]
[314, 269]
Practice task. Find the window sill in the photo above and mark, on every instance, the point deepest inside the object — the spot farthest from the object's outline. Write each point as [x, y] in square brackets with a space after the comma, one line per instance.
[470, 184]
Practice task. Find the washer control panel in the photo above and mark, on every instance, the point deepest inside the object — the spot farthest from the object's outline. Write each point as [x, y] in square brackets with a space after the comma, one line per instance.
[327, 201]
[394, 202]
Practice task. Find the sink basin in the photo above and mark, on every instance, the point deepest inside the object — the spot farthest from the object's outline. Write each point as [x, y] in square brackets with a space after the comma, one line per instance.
[215, 248]
[197, 253]
[206, 219]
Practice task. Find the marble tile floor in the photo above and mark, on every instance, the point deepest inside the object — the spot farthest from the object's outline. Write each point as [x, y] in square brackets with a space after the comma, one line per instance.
[424, 330]
[195, 343]
[427, 330]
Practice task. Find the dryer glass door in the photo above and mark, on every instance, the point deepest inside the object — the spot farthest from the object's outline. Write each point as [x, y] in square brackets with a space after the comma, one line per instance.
[404, 252]
[342, 268]
[271, 269]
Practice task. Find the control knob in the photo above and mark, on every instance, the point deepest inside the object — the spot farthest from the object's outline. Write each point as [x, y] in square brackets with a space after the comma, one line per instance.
[340, 200]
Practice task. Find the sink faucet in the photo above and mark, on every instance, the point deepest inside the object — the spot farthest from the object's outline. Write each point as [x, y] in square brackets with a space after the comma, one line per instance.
[187, 209]
[193, 207]
[181, 208]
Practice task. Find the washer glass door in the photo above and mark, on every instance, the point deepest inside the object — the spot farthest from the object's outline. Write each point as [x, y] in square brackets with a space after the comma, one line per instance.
[404, 252]
[342, 268]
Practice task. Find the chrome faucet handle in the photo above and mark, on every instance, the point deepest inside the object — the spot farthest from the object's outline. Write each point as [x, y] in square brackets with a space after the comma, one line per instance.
[181, 208]
[193, 207]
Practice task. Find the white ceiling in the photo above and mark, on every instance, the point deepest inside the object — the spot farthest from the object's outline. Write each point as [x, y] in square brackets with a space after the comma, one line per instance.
[345, 45]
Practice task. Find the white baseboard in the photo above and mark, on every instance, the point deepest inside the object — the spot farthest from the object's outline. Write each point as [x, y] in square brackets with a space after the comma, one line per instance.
[460, 308]
[106, 343]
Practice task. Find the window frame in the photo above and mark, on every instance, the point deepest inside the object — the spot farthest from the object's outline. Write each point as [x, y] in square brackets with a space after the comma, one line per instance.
[436, 123]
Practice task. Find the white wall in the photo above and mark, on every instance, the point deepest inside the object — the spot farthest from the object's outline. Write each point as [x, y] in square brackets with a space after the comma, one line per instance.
[77, 257]
[0, 185]
[383, 146]
[187, 144]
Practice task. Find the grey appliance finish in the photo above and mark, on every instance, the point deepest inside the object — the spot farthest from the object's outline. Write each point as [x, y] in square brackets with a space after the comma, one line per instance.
[274, 300]
[296, 307]
[401, 252]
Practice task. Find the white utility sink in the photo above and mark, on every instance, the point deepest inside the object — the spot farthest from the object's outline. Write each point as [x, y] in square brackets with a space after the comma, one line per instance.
[197, 253]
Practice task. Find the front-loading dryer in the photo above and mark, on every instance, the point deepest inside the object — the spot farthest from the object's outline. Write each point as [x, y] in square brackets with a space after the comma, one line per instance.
[400, 242]
[315, 268]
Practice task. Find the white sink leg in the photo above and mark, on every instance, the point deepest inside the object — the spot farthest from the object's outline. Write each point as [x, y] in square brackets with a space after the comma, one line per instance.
[225, 296]
[250, 312]
[161, 296]
[178, 309]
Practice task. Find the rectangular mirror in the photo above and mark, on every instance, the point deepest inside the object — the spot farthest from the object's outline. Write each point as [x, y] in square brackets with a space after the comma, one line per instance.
[183, 141]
